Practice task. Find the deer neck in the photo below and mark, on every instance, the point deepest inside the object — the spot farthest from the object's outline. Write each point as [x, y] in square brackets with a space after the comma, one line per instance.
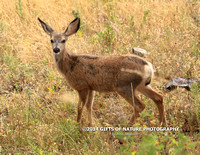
[62, 62]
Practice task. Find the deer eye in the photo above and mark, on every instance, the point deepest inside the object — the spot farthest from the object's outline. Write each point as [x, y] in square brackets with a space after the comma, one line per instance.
[52, 41]
[63, 41]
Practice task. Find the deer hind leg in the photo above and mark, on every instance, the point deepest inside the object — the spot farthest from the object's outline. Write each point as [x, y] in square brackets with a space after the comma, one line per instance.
[131, 97]
[83, 96]
[158, 99]
[139, 107]
[89, 106]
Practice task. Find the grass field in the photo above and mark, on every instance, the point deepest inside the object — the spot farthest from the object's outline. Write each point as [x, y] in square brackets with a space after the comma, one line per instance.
[37, 108]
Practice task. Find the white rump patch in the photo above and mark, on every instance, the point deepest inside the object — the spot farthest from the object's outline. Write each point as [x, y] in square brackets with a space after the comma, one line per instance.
[149, 71]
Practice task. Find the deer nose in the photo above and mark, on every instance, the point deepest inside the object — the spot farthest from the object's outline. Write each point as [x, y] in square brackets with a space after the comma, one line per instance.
[56, 50]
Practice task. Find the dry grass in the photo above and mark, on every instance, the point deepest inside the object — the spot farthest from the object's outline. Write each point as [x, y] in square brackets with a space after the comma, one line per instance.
[33, 118]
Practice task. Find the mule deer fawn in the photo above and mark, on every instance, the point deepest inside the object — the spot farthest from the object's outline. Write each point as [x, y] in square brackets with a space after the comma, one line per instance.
[124, 74]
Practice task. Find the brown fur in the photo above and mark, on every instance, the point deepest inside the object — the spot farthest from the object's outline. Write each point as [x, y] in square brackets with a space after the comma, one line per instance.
[125, 74]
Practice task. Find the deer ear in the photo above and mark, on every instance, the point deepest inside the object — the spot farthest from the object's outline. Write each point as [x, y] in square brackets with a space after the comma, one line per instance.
[73, 27]
[46, 27]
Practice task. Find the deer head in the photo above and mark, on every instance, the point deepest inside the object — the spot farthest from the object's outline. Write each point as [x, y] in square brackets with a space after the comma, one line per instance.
[58, 40]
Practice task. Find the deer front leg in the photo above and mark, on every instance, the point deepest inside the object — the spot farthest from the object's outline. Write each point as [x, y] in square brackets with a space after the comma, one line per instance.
[83, 95]
[89, 106]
